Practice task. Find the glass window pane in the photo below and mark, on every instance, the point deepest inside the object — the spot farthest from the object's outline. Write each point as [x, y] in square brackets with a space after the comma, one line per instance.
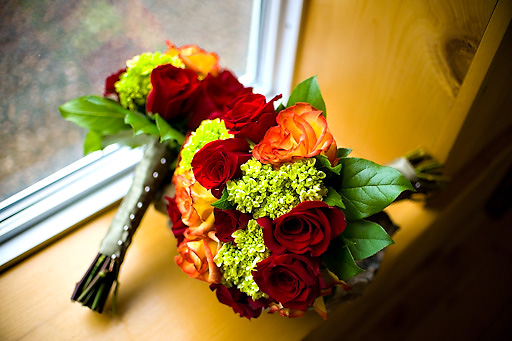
[55, 50]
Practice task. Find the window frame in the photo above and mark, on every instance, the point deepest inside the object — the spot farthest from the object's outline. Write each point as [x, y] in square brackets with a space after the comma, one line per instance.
[56, 205]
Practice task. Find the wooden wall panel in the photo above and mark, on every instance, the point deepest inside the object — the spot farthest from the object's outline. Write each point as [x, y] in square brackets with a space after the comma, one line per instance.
[391, 71]
[396, 75]
[489, 83]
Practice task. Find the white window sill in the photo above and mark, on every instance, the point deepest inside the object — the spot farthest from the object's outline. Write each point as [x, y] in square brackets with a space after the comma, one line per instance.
[45, 211]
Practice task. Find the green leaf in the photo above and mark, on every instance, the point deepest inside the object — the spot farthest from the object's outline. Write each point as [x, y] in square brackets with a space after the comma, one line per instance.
[92, 142]
[333, 198]
[167, 132]
[343, 152]
[126, 138]
[280, 107]
[96, 113]
[340, 261]
[308, 91]
[223, 202]
[367, 188]
[322, 163]
[365, 238]
[141, 124]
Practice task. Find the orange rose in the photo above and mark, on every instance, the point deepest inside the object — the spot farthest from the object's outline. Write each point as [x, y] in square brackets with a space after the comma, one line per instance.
[195, 58]
[202, 200]
[194, 203]
[301, 132]
[182, 182]
[195, 258]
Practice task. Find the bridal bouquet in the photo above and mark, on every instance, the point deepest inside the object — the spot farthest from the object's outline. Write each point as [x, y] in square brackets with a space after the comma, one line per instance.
[267, 208]
[270, 211]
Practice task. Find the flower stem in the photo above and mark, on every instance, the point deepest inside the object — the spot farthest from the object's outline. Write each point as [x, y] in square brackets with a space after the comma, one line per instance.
[93, 289]
[424, 172]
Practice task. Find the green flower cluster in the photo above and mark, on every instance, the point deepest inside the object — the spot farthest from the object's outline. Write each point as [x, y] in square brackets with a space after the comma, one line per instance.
[208, 131]
[238, 260]
[134, 85]
[267, 192]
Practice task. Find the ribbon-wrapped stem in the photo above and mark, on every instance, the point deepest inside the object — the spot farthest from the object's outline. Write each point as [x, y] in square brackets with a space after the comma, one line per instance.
[93, 289]
[423, 171]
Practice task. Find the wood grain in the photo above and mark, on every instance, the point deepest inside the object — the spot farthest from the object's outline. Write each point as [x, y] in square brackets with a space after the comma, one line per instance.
[391, 72]
[156, 301]
[488, 83]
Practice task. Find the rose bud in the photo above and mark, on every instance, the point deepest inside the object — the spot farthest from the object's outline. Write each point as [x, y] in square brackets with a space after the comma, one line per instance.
[219, 161]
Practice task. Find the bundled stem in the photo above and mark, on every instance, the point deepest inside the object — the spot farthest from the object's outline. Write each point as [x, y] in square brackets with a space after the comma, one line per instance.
[93, 289]
[423, 171]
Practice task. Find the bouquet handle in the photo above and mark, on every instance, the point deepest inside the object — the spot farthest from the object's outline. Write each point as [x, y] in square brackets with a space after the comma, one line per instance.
[93, 289]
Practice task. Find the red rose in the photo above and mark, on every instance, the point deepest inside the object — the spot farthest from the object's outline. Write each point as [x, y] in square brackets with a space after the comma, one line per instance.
[219, 161]
[216, 94]
[110, 85]
[227, 222]
[173, 93]
[290, 279]
[250, 116]
[239, 301]
[308, 228]
[178, 227]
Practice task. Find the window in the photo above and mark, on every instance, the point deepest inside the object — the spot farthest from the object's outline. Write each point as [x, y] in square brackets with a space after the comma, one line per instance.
[53, 51]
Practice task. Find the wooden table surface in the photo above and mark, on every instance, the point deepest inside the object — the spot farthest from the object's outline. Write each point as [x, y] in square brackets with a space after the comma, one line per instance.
[156, 299]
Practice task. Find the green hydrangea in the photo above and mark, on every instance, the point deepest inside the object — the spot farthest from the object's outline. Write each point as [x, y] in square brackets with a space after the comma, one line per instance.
[267, 192]
[134, 85]
[208, 131]
[238, 260]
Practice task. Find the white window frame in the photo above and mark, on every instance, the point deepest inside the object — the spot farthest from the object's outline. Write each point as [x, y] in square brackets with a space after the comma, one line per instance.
[58, 204]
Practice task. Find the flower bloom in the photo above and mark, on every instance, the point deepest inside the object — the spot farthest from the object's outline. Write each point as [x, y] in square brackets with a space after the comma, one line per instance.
[240, 302]
[290, 279]
[250, 116]
[173, 92]
[219, 161]
[216, 94]
[195, 258]
[194, 203]
[301, 132]
[202, 200]
[227, 222]
[183, 198]
[308, 228]
[195, 58]
[110, 88]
